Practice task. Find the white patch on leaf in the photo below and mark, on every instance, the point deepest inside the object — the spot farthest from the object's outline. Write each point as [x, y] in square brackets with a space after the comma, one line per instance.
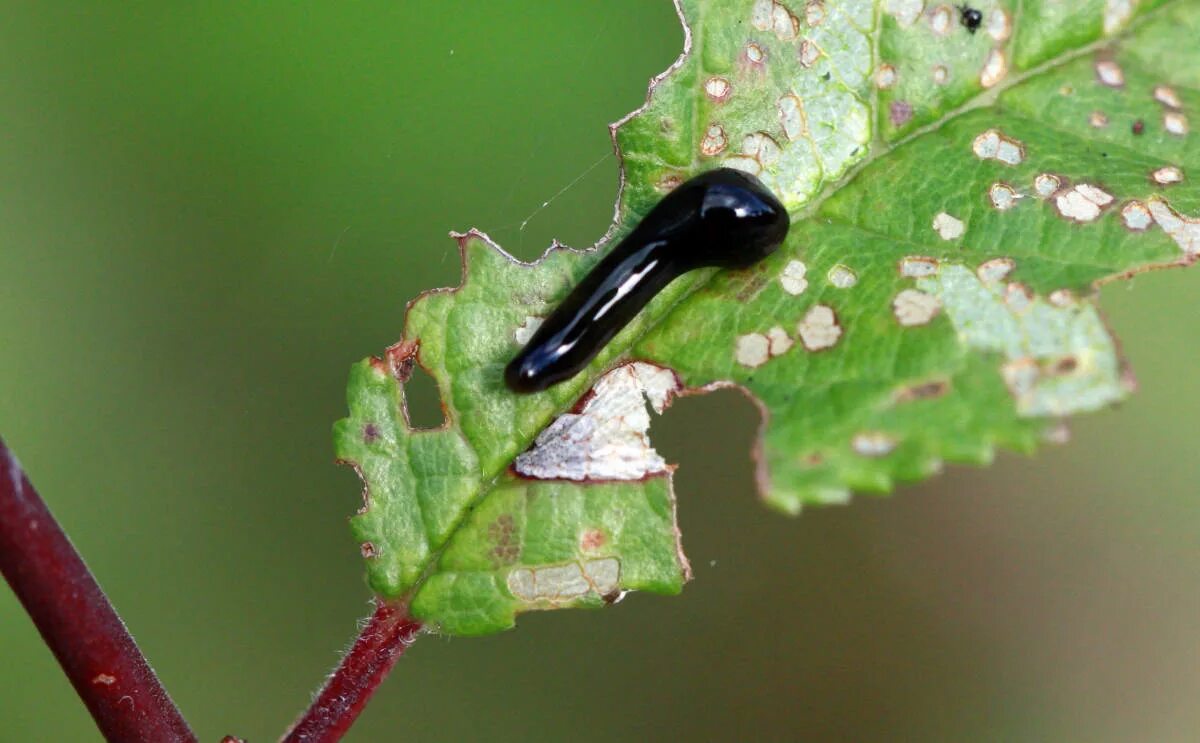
[995, 270]
[916, 266]
[714, 141]
[1167, 175]
[948, 227]
[940, 19]
[1083, 203]
[792, 278]
[522, 334]
[999, 25]
[1062, 298]
[913, 307]
[606, 439]
[1117, 13]
[1136, 216]
[1046, 184]
[873, 443]
[1018, 297]
[993, 145]
[791, 116]
[717, 88]
[1167, 96]
[814, 13]
[780, 341]
[819, 329]
[1110, 73]
[842, 276]
[557, 583]
[809, 53]
[752, 349]
[784, 23]
[775, 16]
[906, 12]
[761, 147]
[1021, 376]
[995, 69]
[744, 163]
[1185, 231]
[885, 76]
[1031, 336]
[760, 14]
[1003, 196]
[1175, 123]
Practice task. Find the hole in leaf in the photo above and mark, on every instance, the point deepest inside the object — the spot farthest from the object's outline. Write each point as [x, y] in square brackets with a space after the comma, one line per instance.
[424, 402]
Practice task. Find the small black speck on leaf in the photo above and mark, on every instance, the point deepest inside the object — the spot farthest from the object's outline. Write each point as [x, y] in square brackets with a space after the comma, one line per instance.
[1139, 126]
[826, 77]
[971, 18]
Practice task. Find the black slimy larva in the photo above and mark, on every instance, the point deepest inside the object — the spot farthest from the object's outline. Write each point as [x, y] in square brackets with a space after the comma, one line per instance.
[723, 218]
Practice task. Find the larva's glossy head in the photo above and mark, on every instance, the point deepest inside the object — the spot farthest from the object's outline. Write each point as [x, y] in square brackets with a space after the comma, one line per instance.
[723, 217]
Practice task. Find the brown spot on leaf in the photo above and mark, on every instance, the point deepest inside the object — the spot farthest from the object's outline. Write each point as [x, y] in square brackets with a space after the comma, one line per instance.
[505, 554]
[752, 283]
[505, 550]
[930, 390]
[669, 182]
[1063, 366]
[501, 529]
[500, 532]
[592, 539]
[900, 113]
[401, 358]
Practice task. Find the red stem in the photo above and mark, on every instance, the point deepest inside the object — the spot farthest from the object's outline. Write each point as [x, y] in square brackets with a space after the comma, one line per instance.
[78, 624]
[384, 638]
[104, 664]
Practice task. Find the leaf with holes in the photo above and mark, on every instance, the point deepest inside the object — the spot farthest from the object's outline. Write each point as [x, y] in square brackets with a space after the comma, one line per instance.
[959, 184]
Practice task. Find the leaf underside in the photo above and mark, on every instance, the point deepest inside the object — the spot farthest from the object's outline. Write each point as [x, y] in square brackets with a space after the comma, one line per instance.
[956, 198]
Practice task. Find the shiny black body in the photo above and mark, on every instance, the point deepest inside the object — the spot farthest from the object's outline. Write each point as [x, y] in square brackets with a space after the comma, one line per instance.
[971, 18]
[723, 218]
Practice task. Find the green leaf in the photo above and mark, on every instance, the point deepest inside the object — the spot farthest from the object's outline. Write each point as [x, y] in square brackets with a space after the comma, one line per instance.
[956, 198]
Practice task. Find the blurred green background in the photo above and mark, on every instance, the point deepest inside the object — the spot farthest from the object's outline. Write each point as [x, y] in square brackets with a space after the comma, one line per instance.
[208, 211]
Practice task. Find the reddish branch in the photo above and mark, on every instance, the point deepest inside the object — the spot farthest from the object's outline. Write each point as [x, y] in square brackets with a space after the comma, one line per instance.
[104, 664]
[384, 638]
[78, 624]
